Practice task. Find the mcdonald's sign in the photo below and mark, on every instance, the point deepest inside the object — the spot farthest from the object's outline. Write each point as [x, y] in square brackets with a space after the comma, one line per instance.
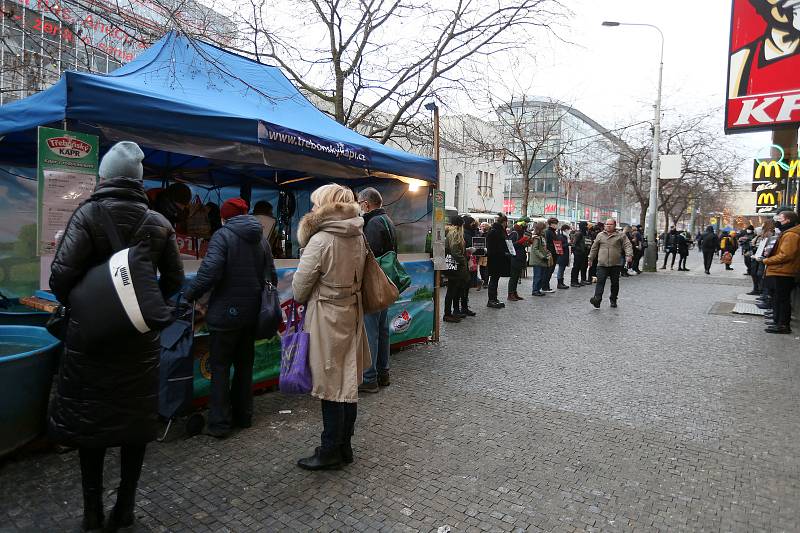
[768, 168]
[771, 174]
[767, 201]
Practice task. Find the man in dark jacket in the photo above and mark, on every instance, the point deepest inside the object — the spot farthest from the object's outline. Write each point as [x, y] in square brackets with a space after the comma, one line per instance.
[551, 237]
[236, 266]
[499, 257]
[580, 254]
[107, 396]
[710, 245]
[382, 238]
[670, 248]
[521, 239]
[683, 252]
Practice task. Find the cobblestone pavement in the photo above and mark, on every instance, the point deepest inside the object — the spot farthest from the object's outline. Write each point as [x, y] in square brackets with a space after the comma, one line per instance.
[546, 416]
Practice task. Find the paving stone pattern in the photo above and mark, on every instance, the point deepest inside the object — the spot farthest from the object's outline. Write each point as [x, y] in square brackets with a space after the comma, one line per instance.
[546, 416]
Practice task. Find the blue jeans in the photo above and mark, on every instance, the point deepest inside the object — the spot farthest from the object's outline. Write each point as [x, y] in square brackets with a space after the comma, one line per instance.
[538, 277]
[377, 326]
[560, 272]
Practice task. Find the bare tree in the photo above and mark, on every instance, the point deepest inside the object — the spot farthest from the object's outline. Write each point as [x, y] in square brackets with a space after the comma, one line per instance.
[366, 57]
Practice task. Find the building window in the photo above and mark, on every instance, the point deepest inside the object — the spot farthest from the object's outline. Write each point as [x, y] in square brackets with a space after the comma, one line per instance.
[485, 184]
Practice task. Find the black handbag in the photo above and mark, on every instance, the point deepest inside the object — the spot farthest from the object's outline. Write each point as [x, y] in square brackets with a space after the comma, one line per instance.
[270, 317]
[57, 323]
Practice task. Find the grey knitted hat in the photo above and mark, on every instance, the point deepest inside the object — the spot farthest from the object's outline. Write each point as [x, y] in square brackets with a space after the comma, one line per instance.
[124, 159]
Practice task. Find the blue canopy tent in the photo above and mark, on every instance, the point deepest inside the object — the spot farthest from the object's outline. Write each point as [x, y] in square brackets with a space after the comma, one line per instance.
[195, 108]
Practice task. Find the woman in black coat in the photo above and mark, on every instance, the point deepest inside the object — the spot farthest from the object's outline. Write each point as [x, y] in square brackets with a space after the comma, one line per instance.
[499, 258]
[107, 395]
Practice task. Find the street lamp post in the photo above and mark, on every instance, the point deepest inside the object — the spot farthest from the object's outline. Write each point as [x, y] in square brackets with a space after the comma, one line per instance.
[437, 283]
[651, 251]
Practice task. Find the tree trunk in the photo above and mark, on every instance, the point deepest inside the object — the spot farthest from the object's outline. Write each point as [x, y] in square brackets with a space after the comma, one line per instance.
[526, 193]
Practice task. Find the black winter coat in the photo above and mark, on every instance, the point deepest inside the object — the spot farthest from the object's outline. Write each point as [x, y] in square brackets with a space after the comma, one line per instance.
[237, 261]
[108, 395]
[381, 240]
[497, 251]
[710, 241]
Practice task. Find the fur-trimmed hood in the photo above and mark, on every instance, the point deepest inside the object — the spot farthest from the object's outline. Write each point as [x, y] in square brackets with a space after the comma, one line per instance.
[337, 218]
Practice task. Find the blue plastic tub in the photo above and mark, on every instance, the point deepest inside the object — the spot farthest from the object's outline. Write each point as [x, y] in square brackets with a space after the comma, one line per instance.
[21, 315]
[28, 357]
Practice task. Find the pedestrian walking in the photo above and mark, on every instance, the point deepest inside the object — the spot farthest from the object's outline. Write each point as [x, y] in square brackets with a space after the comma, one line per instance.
[594, 231]
[783, 266]
[106, 396]
[234, 270]
[580, 256]
[709, 243]
[328, 281]
[458, 276]
[381, 236]
[499, 258]
[726, 246]
[605, 253]
[521, 239]
[540, 258]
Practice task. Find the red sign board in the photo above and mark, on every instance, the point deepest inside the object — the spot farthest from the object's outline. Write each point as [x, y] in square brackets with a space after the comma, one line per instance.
[586, 213]
[508, 206]
[550, 208]
[763, 65]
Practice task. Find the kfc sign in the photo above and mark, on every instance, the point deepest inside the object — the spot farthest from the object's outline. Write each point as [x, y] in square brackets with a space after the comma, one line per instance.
[763, 65]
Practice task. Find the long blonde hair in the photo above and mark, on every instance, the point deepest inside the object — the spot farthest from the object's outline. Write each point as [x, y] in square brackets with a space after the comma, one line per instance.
[332, 193]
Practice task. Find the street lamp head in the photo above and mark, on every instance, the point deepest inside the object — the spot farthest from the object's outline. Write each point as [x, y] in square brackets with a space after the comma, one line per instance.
[431, 106]
[610, 23]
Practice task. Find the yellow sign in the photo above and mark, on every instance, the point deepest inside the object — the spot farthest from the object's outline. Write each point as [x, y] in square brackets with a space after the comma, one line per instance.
[766, 198]
[768, 168]
[713, 220]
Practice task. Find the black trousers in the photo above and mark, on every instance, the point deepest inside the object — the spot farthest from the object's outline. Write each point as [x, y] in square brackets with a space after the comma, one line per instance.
[338, 423]
[231, 401]
[452, 297]
[637, 257]
[494, 280]
[464, 296]
[548, 274]
[708, 258]
[579, 264]
[513, 281]
[666, 257]
[782, 300]
[603, 273]
[682, 261]
[131, 460]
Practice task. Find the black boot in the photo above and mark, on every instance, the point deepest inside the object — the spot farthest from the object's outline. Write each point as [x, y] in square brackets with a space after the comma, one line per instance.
[122, 514]
[322, 460]
[350, 415]
[92, 509]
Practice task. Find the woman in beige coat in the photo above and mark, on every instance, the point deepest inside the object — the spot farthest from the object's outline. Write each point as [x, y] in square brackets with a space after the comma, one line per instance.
[328, 282]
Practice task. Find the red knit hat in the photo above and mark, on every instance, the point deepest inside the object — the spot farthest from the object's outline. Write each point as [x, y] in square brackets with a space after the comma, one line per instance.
[233, 207]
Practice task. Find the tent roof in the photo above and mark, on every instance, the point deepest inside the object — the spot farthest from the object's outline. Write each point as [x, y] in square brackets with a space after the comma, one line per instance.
[186, 96]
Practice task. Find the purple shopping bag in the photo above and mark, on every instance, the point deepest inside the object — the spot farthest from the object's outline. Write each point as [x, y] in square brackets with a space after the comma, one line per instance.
[295, 377]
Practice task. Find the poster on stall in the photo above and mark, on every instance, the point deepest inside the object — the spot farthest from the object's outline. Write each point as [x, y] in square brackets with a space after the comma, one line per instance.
[67, 174]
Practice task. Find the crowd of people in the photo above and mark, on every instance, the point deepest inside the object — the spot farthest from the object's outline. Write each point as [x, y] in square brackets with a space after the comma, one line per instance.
[107, 395]
[478, 256]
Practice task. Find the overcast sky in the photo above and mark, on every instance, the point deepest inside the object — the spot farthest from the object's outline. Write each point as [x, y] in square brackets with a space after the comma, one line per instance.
[611, 73]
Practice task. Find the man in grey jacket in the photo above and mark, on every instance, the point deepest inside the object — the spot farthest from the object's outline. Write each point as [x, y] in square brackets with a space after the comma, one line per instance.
[607, 248]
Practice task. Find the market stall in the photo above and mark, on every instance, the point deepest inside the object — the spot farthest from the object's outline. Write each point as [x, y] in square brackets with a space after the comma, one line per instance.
[223, 126]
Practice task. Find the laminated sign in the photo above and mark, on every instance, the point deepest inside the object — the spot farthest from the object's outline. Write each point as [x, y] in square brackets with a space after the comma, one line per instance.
[67, 174]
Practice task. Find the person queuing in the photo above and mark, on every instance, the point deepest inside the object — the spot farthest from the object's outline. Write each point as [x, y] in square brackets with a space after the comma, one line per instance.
[499, 258]
[483, 261]
[638, 248]
[470, 230]
[555, 248]
[457, 272]
[670, 248]
[328, 282]
[106, 396]
[540, 258]
[709, 243]
[606, 250]
[521, 239]
[764, 235]
[580, 256]
[746, 240]
[783, 266]
[382, 238]
[234, 270]
[563, 260]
